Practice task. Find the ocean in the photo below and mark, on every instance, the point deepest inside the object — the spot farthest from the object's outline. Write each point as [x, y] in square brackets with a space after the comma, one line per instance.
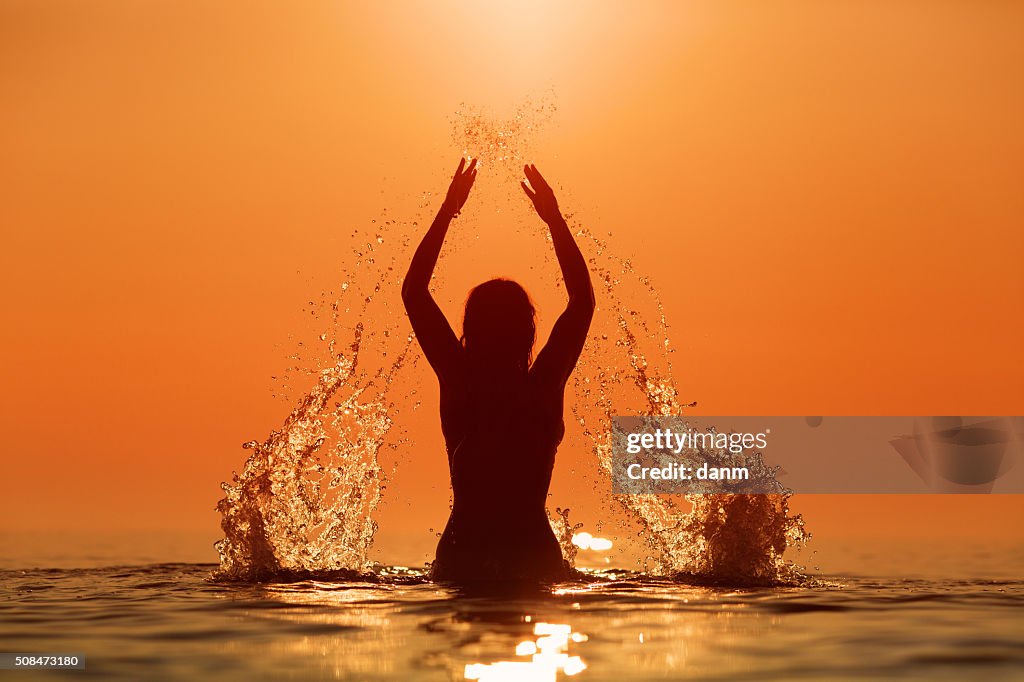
[170, 621]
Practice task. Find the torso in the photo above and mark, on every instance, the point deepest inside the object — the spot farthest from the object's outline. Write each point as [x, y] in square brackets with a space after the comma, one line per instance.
[501, 438]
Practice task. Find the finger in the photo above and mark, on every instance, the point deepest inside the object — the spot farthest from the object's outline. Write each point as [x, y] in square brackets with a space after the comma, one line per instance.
[472, 166]
[462, 163]
[526, 188]
[536, 179]
[540, 178]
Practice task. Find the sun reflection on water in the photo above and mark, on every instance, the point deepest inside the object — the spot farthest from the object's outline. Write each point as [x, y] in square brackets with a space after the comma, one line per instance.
[549, 655]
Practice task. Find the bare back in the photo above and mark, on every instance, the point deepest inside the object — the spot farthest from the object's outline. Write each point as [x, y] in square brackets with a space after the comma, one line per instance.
[502, 422]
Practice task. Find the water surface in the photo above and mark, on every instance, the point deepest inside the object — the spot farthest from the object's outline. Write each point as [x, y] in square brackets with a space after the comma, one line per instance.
[168, 621]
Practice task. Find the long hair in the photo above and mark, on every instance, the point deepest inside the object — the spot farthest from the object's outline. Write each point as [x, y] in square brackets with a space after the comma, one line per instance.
[499, 326]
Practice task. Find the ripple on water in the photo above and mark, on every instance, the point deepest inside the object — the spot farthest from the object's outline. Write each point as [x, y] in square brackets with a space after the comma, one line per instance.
[635, 626]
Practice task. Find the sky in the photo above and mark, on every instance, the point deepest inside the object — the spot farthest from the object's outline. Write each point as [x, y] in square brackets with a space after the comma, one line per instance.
[826, 196]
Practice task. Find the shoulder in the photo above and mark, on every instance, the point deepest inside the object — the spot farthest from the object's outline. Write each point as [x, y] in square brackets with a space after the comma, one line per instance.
[545, 379]
[546, 391]
[454, 377]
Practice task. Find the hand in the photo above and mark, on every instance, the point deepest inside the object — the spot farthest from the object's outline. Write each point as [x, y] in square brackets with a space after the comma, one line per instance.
[458, 191]
[542, 196]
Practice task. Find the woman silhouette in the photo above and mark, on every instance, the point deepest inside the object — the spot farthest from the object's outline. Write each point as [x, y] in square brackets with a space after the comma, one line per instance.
[501, 414]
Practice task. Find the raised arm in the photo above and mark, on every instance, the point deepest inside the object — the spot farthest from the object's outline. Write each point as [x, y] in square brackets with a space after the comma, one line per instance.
[558, 357]
[438, 341]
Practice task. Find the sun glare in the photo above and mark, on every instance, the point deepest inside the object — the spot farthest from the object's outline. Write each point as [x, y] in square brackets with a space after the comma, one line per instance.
[586, 541]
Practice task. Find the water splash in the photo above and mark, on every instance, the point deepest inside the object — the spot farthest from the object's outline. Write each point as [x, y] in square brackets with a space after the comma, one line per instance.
[565, 530]
[502, 145]
[305, 500]
[626, 368]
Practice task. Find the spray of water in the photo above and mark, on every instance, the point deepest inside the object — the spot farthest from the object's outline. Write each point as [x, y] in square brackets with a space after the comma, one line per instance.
[626, 368]
[305, 500]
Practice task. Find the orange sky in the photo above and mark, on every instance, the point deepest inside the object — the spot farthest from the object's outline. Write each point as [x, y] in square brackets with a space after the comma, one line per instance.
[828, 199]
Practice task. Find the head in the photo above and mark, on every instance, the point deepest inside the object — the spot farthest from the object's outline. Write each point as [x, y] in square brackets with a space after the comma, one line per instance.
[498, 329]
